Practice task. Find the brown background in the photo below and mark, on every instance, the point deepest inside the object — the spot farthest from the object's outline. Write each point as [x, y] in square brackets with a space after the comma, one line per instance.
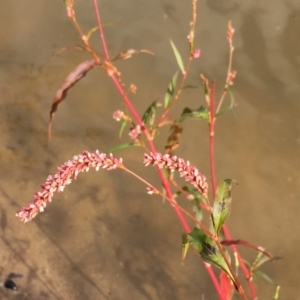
[104, 237]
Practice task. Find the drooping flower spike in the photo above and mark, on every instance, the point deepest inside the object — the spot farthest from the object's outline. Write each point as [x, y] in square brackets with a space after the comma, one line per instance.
[184, 168]
[66, 172]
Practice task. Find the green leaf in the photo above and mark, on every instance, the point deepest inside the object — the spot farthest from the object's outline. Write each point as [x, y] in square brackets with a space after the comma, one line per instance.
[265, 277]
[121, 147]
[185, 245]
[178, 57]
[91, 31]
[208, 250]
[260, 260]
[171, 90]
[123, 125]
[189, 86]
[222, 204]
[150, 113]
[200, 113]
[276, 296]
[197, 198]
[230, 107]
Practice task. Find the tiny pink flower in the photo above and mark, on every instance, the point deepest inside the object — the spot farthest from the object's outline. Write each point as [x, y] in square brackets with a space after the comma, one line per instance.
[196, 53]
[69, 11]
[135, 132]
[230, 32]
[151, 190]
[62, 178]
[231, 77]
[118, 115]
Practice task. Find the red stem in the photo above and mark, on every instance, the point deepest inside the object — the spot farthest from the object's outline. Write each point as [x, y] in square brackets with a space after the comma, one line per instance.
[104, 46]
[152, 147]
[241, 262]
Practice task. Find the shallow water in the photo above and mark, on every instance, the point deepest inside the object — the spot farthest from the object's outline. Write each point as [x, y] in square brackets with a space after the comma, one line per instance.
[104, 237]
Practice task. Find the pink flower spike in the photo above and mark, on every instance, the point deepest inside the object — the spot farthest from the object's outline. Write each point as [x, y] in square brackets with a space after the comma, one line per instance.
[63, 177]
[185, 170]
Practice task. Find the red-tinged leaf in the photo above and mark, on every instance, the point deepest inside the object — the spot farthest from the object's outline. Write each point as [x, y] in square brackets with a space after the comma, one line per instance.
[259, 249]
[78, 73]
[226, 285]
[63, 49]
[129, 53]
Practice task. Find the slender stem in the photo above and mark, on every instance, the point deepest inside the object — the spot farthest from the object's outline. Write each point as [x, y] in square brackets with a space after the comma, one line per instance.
[241, 262]
[212, 120]
[227, 83]
[239, 286]
[104, 46]
[191, 38]
[82, 36]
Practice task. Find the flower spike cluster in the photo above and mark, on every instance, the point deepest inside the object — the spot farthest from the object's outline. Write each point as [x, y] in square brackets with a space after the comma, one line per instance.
[66, 172]
[184, 168]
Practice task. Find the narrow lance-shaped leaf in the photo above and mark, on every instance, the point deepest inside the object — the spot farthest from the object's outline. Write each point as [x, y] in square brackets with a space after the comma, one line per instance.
[230, 106]
[149, 114]
[208, 250]
[195, 198]
[171, 90]
[94, 29]
[222, 204]
[265, 277]
[91, 31]
[276, 296]
[200, 113]
[121, 147]
[78, 73]
[123, 126]
[178, 57]
[129, 53]
[190, 86]
[185, 245]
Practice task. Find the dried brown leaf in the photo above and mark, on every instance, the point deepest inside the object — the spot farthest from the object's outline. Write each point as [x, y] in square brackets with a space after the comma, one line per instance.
[129, 53]
[78, 73]
[173, 139]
